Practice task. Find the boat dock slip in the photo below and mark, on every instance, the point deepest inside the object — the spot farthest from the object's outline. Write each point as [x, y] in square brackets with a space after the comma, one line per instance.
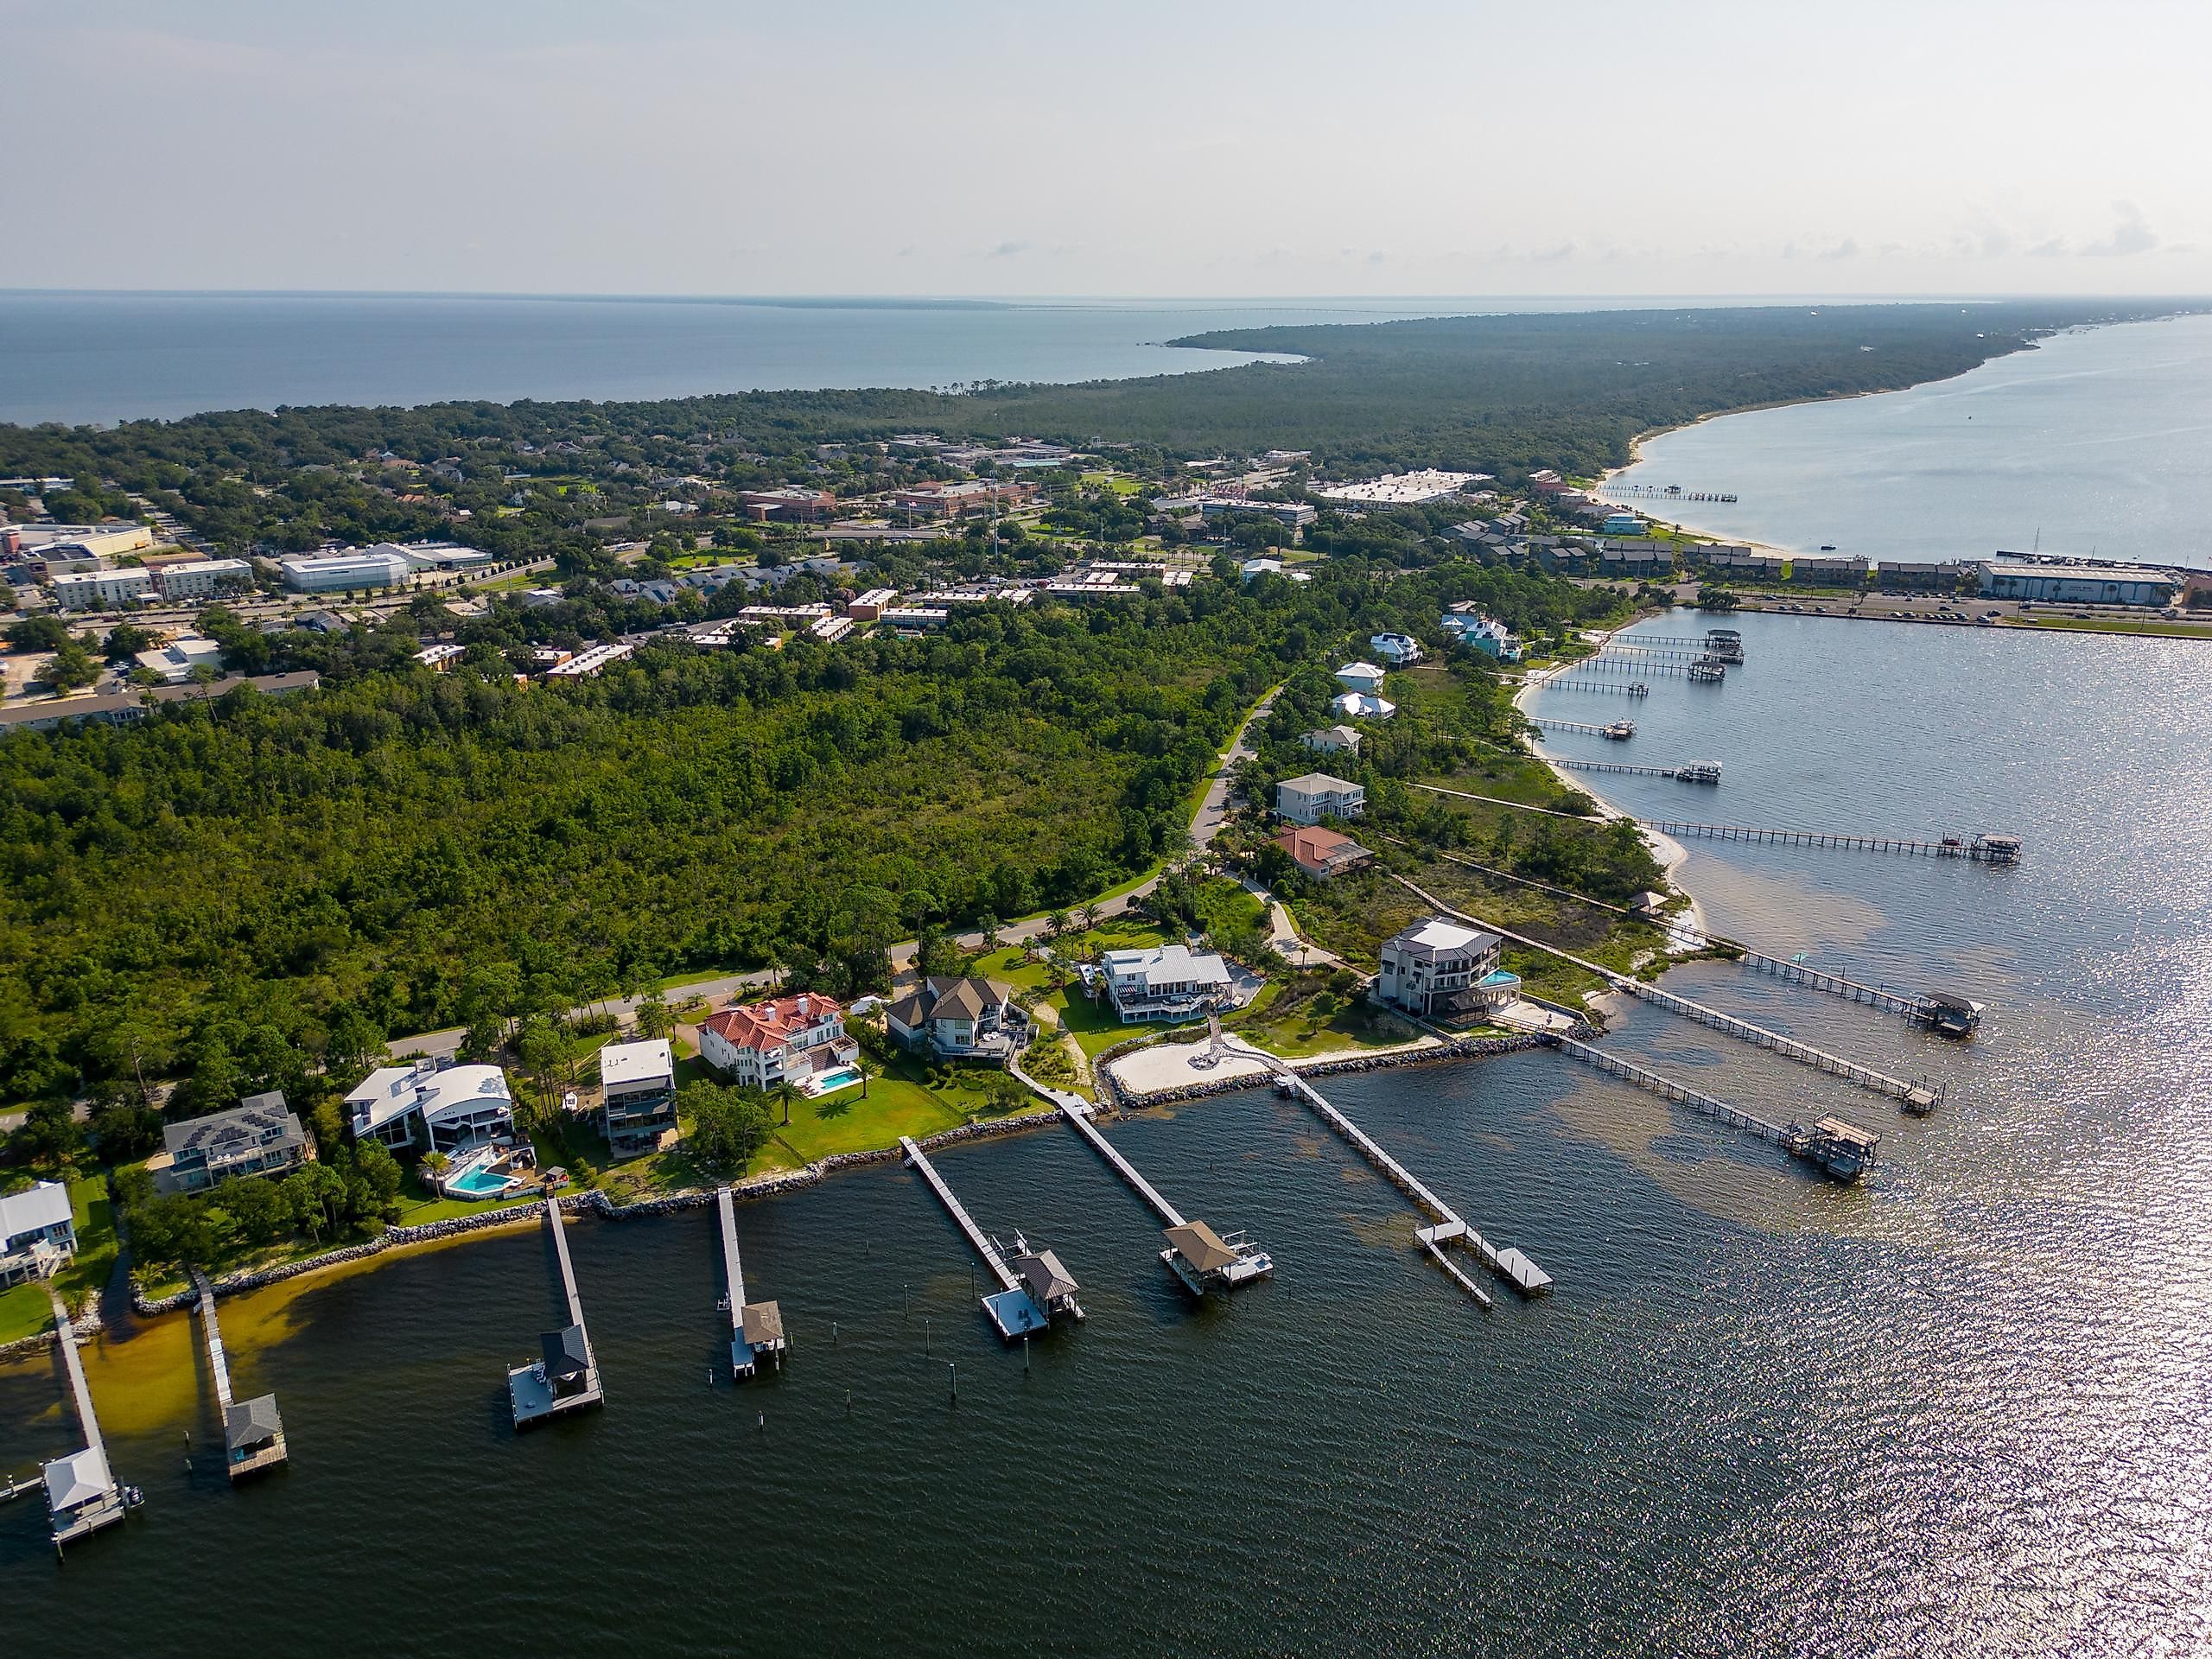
[253, 1433]
[1637, 664]
[1634, 688]
[1842, 1149]
[1014, 1309]
[82, 1494]
[566, 1375]
[1524, 1275]
[755, 1328]
[1201, 1258]
[1916, 1097]
[1982, 849]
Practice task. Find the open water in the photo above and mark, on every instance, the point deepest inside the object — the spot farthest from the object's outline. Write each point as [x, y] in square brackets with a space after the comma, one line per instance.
[2097, 441]
[1960, 1411]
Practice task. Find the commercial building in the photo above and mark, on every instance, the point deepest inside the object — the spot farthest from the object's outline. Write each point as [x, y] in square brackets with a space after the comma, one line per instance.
[95, 541]
[637, 1084]
[103, 590]
[1439, 967]
[2078, 584]
[173, 663]
[1164, 981]
[1399, 489]
[442, 1109]
[38, 1232]
[1322, 854]
[201, 579]
[800, 1039]
[1317, 796]
[970, 1017]
[261, 1136]
[439, 658]
[1939, 577]
[340, 573]
[1266, 567]
[432, 556]
[586, 663]
[788, 503]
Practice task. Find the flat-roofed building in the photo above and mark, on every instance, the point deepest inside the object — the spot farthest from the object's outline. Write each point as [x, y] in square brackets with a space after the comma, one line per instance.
[2078, 584]
[1398, 489]
[637, 1083]
[103, 590]
[338, 573]
[1317, 796]
[201, 579]
[173, 663]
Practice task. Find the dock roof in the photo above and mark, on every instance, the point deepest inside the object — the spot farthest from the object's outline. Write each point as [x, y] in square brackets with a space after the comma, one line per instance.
[252, 1422]
[79, 1478]
[763, 1324]
[1047, 1279]
[1201, 1247]
[565, 1354]
[1849, 1133]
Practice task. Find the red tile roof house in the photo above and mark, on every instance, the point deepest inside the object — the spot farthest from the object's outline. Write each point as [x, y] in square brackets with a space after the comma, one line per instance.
[759, 1045]
[1322, 854]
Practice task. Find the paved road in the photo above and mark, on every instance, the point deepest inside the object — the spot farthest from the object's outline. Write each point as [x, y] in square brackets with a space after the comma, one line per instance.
[1205, 825]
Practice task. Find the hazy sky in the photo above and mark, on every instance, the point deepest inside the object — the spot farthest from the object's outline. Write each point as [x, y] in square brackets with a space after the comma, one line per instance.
[679, 146]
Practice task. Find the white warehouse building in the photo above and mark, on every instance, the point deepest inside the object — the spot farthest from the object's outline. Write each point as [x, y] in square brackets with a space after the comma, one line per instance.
[338, 573]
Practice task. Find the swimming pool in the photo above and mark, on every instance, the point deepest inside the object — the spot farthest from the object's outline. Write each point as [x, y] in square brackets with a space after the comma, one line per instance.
[479, 1182]
[824, 1083]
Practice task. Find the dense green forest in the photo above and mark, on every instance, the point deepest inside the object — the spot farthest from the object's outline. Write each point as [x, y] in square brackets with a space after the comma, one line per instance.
[223, 888]
[1501, 394]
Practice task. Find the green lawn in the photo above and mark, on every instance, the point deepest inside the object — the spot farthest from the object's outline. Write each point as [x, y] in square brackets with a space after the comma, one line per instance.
[24, 1310]
[2095, 625]
[901, 1102]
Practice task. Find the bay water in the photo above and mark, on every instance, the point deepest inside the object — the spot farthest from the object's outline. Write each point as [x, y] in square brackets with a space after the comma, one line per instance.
[1957, 1410]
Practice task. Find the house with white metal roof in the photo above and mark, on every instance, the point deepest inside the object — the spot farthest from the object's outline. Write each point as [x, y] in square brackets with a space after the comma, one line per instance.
[447, 1110]
[38, 1232]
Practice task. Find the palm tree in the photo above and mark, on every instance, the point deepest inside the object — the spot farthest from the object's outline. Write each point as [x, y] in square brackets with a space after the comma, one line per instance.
[785, 1092]
[1089, 914]
[868, 1069]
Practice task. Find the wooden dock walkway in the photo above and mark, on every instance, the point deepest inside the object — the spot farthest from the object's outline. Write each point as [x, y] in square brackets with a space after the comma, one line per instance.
[1514, 1267]
[1080, 1116]
[1635, 690]
[1585, 728]
[755, 1328]
[82, 1494]
[1816, 1145]
[1695, 772]
[567, 1378]
[1915, 1096]
[253, 1433]
[976, 1237]
[1634, 665]
[1982, 849]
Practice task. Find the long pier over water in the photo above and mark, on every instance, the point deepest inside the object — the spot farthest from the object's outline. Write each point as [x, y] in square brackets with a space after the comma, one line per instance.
[82, 1494]
[1982, 850]
[253, 1433]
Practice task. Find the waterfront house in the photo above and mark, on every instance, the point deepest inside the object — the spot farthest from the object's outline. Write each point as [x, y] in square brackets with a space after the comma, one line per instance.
[441, 1108]
[1399, 650]
[636, 1086]
[1484, 633]
[959, 1017]
[1322, 854]
[261, 1136]
[1317, 796]
[1621, 523]
[1437, 967]
[38, 1232]
[800, 1038]
[1360, 676]
[1164, 981]
[1332, 740]
[1358, 705]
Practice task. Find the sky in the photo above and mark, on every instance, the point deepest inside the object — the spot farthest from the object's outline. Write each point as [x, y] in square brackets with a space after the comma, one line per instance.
[851, 147]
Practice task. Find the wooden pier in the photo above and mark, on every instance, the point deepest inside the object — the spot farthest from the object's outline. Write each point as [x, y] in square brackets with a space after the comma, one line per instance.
[82, 1494]
[566, 1377]
[1694, 771]
[1200, 1258]
[1980, 849]
[1620, 731]
[1659, 492]
[1633, 688]
[1511, 1265]
[1025, 1301]
[755, 1328]
[1915, 1098]
[253, 1433]
[1841, 1150]
[1638, 664]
